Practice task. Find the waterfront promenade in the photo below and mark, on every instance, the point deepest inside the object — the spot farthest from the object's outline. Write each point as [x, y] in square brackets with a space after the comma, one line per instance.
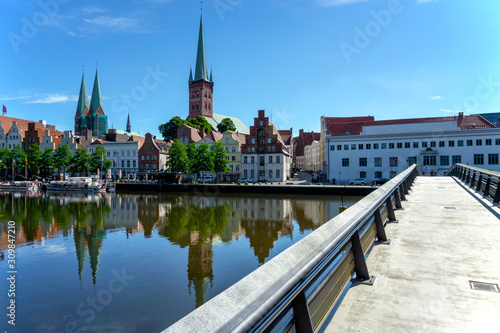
[447, 236]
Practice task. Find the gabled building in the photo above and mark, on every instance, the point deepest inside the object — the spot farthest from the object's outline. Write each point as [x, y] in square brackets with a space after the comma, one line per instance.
[201, 90]
[13, 131]
[153, 156]
[90, 120]
[187, 135]
[265, 154]
[232, 142]
[304, 139]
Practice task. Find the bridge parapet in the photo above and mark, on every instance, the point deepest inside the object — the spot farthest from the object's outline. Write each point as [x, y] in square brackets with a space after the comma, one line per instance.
[298, 289]
[485, 181]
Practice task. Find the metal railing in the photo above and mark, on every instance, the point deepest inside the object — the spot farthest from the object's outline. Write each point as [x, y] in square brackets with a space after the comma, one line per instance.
[297, 290]
[485, 181]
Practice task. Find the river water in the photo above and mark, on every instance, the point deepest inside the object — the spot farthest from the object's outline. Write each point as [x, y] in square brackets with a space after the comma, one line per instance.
[138, 263]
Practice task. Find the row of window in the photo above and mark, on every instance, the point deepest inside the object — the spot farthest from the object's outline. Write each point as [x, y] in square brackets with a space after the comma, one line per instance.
[146, 166]
[233, 168]
[117, 153]
[427, 160]
[125, 162]
[270, 159]
[262, 141]
[270, 149]
[153, 157]
[262, 174]
[233, 149]
[425, 144]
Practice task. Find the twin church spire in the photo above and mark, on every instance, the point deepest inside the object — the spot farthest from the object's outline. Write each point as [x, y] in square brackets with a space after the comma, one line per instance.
[90, 117]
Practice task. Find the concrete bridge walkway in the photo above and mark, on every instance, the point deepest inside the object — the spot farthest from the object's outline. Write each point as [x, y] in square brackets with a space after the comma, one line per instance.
[446, 237]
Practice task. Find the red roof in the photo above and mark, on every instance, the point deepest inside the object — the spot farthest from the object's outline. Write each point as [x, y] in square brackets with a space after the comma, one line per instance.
[354, 125]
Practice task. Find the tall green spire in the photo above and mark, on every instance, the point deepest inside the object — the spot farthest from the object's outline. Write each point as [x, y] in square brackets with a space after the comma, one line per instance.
[96, 99]
[83, 99]
[191, 75]
[211, 76]
[201, 61]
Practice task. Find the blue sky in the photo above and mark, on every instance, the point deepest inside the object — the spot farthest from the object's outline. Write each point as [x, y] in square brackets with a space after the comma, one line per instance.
[296, 59]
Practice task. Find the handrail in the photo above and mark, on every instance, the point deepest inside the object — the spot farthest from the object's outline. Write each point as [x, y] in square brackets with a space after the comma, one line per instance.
[302, 285]
[485, 181]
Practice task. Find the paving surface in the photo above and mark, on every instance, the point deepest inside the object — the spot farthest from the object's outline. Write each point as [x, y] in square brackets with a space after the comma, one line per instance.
[446, 236]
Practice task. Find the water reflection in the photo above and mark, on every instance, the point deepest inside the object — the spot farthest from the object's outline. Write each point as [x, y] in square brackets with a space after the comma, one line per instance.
[199, 224]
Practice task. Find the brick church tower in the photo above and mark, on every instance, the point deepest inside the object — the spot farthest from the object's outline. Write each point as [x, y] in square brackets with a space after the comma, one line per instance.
[201, 88]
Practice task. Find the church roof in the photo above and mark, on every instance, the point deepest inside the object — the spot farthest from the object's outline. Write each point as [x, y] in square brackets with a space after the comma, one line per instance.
[217, 118]
[201, 72]
[96, 99]
[83, 98]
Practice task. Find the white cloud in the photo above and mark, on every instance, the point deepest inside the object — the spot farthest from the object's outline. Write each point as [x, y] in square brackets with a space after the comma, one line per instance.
[436, 97]
[450, 111]
[10, 98]
[53, 98]
[115, 23]
[332, 3]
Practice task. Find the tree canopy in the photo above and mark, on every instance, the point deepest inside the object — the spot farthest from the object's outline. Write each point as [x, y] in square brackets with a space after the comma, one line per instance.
[62, 156]
[169, 129]
[178, 160]
[226, 125]
[98, 160]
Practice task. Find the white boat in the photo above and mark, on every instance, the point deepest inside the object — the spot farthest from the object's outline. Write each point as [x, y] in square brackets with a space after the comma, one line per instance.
[19, 186]
[78, 184]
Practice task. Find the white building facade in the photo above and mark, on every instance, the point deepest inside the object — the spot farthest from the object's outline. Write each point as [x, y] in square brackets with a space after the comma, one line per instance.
[385, 148]
[311, 157]
[123, 154]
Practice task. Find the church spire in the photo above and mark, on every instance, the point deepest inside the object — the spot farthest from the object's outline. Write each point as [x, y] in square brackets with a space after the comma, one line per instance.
[201, 61]
[191, 74]
[129, 129]
[96, 99]
[83, 98]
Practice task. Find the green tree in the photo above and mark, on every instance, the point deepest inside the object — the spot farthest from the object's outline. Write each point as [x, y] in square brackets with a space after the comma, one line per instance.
[199, 123]
[98, 160]
[226, 125]
[62, 157]
[169, 130]
[204, 160]
[177, 160]
[34, 159]
[19, 157]
[5, 161]
[81, 161]
[48, 164]
[220, 158]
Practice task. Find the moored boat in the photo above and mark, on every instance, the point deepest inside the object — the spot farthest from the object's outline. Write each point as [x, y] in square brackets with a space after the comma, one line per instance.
[78, 184]
[19, 186]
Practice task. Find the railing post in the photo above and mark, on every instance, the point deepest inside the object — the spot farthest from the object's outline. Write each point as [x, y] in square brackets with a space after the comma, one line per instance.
[487, 187]
[473, 179]
[467, 177]
[496, 199]
[382, 237]
[462, 174]
[359, 258]
[479, 182]
[301, 314]
[402, 191]
[390, 210]
[397, 193]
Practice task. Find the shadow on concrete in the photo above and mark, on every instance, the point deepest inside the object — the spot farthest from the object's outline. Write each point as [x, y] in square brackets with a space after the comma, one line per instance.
[480, 200]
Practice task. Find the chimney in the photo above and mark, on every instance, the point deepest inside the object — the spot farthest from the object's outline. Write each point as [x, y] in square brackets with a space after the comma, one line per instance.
[460, 115]
[202, 134]
[262, 113]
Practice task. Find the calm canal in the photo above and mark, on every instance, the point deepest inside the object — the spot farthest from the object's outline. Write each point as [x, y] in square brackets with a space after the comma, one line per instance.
[138, 263]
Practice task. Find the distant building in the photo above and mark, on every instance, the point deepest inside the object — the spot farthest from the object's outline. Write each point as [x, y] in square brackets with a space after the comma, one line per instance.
[90, 120]
[73, 142]
[153, 156]
[266, 156]
[304, 139]
[124, 155]
[13, 132]
[493, 118]
[201, 90]
[232, 142]
[364, 148]
[311, 160]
